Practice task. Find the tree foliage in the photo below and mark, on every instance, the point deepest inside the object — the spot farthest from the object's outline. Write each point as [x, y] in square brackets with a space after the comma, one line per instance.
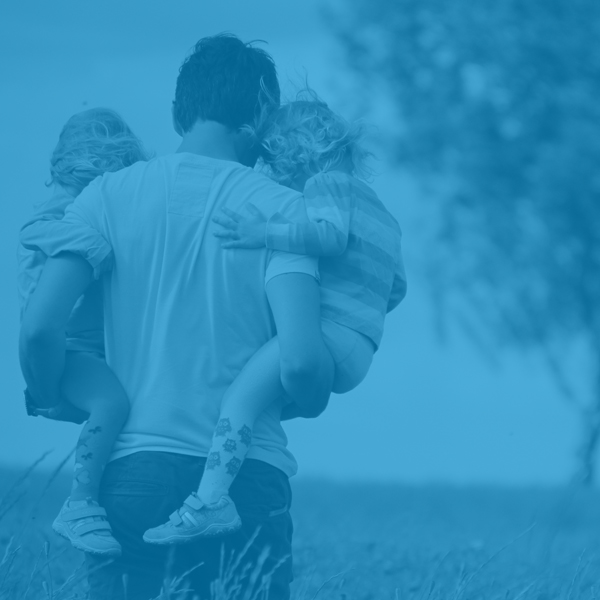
[499, 103]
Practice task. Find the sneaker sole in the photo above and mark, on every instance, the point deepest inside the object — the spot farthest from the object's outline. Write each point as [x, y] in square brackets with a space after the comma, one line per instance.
[213, 530]
[63, 531]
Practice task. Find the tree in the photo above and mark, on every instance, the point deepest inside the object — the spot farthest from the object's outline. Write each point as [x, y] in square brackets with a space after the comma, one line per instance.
[499, 103]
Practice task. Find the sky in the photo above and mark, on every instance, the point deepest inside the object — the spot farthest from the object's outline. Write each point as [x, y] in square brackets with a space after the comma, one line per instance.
[427, 412]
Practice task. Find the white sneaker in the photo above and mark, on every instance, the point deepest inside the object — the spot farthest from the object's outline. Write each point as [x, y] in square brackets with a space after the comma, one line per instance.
[84, 524]
[196, 520]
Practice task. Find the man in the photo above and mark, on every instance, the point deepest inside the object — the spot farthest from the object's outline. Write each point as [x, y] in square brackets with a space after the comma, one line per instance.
[182, 318]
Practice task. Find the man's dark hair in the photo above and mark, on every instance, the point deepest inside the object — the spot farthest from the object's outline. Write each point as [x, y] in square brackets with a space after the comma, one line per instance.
[224, 80]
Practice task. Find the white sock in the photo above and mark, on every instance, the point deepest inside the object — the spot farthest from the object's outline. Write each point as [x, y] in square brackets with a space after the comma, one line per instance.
[230, 445]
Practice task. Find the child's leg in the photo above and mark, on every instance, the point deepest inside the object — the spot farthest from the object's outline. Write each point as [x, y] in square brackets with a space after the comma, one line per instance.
[352, 352]
[89, 384]
[257, 386]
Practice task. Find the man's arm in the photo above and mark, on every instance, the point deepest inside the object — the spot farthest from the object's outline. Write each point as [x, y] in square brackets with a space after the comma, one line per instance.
[42, 341]
[307, 368]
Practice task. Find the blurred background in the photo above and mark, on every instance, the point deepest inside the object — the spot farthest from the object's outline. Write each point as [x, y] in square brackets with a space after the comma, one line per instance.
[484, 121]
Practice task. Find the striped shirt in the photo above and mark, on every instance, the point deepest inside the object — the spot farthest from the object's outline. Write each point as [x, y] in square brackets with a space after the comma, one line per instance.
[359, 245]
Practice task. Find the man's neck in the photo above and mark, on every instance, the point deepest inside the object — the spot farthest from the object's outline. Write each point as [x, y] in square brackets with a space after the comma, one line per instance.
[209, 138]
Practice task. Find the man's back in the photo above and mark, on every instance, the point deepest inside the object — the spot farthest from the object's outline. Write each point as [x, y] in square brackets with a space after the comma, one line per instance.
[183, 316]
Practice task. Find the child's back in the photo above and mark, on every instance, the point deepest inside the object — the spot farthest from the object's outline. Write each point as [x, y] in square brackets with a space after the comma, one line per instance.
[30, 262]
[367, 280]
[359, 245]
[90, 144]
[85, 331]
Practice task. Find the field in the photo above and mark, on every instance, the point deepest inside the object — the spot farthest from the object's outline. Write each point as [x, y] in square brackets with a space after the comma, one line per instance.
[359, 542]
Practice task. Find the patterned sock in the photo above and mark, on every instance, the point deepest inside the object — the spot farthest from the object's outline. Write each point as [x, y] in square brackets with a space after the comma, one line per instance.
[230, 444]
[90, 459]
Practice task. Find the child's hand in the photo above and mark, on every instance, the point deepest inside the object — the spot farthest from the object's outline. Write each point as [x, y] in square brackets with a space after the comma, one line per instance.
[241, 232]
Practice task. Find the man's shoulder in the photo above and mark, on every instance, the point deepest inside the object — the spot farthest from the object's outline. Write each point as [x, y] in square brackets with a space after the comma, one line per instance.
[143, 179]
[263, 184]
[168, 167]
[251, 187]
[133, 173]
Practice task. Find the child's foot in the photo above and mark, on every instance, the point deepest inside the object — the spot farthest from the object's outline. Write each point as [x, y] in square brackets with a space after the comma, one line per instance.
[196, 520]
[84, 524]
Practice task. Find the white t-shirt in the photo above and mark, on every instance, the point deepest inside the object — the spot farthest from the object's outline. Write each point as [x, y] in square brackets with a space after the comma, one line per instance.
[182, 315]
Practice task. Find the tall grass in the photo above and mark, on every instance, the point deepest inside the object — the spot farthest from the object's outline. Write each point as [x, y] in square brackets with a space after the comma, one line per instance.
[362, 545]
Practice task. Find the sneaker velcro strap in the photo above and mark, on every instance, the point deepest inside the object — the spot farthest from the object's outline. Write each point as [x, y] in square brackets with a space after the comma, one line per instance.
[93, 526]
[175, 518]
[194, 502]
[85, 511]
[190, 519]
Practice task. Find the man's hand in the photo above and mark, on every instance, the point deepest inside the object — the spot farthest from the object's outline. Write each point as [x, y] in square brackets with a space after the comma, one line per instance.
[239, 231]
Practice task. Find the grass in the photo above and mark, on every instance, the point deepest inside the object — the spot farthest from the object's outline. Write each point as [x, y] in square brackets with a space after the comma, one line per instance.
[358, 542]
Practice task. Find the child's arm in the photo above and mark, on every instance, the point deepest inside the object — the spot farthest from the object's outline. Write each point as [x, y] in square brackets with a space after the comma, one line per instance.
[328, 199]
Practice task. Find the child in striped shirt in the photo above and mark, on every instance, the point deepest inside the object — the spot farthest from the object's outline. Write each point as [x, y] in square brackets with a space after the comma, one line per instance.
[311, 149]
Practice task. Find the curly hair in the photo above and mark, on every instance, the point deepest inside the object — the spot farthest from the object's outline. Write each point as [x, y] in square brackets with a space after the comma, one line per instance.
[223, 80]
[305, 137]
[91, 143]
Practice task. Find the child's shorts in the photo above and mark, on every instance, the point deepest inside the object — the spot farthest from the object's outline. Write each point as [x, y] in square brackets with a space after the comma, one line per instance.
[352, 354]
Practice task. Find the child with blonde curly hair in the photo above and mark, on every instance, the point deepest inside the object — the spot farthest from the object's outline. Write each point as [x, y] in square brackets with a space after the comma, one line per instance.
[90, 144]
[310, 148]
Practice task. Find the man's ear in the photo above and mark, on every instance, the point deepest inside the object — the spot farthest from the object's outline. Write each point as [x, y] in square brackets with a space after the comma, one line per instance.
[176, 125]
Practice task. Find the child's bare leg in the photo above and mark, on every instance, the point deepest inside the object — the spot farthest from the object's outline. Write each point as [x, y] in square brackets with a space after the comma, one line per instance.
[90, 385]
[256, 387]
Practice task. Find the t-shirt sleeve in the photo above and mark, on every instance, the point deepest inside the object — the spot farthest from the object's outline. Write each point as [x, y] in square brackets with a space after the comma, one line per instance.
[328, 197]
[80, 231]
[281, 263]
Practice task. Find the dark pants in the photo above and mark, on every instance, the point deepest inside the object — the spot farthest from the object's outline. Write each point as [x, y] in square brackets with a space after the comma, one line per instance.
[141, 491]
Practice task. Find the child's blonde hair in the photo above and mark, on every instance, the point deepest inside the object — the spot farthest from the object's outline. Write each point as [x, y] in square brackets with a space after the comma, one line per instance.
[91, 143]
[306, 137]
